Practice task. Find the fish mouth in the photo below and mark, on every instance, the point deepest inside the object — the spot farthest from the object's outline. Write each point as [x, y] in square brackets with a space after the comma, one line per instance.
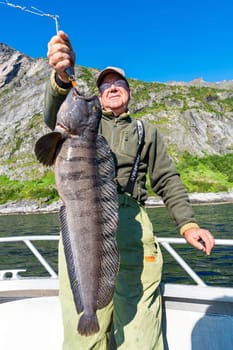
[77, 91]
[61, 127]
[78, 95]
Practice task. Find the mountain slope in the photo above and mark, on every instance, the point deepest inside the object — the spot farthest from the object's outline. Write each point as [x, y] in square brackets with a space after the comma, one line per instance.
[194, 118]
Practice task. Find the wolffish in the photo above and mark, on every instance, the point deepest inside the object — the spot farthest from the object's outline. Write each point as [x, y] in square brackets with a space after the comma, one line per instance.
[84, 172]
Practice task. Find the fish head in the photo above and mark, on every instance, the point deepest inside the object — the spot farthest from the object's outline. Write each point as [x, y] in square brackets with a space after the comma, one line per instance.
[79, 113]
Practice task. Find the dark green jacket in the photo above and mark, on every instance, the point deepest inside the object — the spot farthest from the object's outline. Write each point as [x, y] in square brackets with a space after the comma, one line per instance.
[121, 134]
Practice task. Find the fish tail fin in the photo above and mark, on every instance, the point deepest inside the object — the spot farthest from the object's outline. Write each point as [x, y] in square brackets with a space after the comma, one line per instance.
[88, 325]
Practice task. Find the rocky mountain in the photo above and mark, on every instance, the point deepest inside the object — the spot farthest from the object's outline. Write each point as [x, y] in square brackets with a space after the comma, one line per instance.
[194, 117]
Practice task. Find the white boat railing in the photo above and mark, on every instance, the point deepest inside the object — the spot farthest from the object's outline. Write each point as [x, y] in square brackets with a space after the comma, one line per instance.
[27, 240]
[166, 242]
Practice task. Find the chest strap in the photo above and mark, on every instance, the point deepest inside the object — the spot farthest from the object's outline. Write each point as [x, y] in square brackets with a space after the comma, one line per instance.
[133, 175]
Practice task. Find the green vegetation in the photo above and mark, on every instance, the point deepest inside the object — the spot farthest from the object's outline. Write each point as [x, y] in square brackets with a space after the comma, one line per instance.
[42, 189]
[212, 173]
[229, 103]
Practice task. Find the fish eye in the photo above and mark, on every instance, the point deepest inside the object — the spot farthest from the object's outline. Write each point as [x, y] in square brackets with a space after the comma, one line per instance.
[95, 108]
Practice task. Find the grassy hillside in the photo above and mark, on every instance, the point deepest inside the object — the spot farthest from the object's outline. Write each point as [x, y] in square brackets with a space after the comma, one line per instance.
[212, 173]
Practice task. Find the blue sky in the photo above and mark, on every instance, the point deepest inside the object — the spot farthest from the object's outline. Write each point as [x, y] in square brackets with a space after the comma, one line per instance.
[155, 40]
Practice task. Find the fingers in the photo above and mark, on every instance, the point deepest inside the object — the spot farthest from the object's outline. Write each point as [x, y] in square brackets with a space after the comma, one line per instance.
[200, 239]
[206, 240]
[196, 243]
[60, 53]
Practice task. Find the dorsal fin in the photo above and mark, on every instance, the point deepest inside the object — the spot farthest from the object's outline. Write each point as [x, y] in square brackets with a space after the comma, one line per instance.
[109, 199]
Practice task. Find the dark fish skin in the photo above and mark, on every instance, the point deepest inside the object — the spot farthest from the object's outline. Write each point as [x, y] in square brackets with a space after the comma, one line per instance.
[84, 172]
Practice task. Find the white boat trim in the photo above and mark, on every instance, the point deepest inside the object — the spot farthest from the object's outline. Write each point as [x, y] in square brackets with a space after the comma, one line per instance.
[195, 317]
[166, 242]
[27, 240]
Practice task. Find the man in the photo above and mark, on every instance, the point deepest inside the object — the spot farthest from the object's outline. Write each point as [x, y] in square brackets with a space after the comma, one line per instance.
[136, 308]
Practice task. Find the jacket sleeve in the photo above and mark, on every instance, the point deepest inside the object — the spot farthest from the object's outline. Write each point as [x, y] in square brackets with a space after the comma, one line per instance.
[54, 96]
[165, 182]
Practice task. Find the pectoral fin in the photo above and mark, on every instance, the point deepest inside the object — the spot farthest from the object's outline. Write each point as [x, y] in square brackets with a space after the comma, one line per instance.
[46, 147]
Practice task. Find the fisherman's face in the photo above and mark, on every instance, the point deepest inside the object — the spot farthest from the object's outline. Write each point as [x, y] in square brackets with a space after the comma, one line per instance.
[114, 98]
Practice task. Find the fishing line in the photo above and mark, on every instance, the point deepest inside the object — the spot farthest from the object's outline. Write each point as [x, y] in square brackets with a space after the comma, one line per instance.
[33, 10]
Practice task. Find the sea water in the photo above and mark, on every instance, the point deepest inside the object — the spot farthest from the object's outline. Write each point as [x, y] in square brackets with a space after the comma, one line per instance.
[214, 270]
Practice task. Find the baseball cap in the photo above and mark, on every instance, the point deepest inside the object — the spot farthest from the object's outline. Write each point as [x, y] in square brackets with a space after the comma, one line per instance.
[108, 70]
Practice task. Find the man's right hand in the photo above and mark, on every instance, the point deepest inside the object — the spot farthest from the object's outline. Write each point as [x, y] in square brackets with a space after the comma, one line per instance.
[61, 55]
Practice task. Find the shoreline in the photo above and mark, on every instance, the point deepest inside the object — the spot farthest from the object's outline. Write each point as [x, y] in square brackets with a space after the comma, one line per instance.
[196, 198]
[32, 207]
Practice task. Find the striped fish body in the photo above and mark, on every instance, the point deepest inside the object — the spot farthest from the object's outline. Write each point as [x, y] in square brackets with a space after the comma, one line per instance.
[84, 172]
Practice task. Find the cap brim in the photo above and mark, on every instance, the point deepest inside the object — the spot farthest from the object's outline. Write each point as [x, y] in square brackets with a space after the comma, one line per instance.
[108, 71]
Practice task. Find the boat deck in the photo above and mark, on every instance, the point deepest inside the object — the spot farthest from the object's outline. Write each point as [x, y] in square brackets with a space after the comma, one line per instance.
[195, 317]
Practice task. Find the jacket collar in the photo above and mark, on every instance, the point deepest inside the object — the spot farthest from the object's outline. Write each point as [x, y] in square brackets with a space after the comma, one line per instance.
[110, 115]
